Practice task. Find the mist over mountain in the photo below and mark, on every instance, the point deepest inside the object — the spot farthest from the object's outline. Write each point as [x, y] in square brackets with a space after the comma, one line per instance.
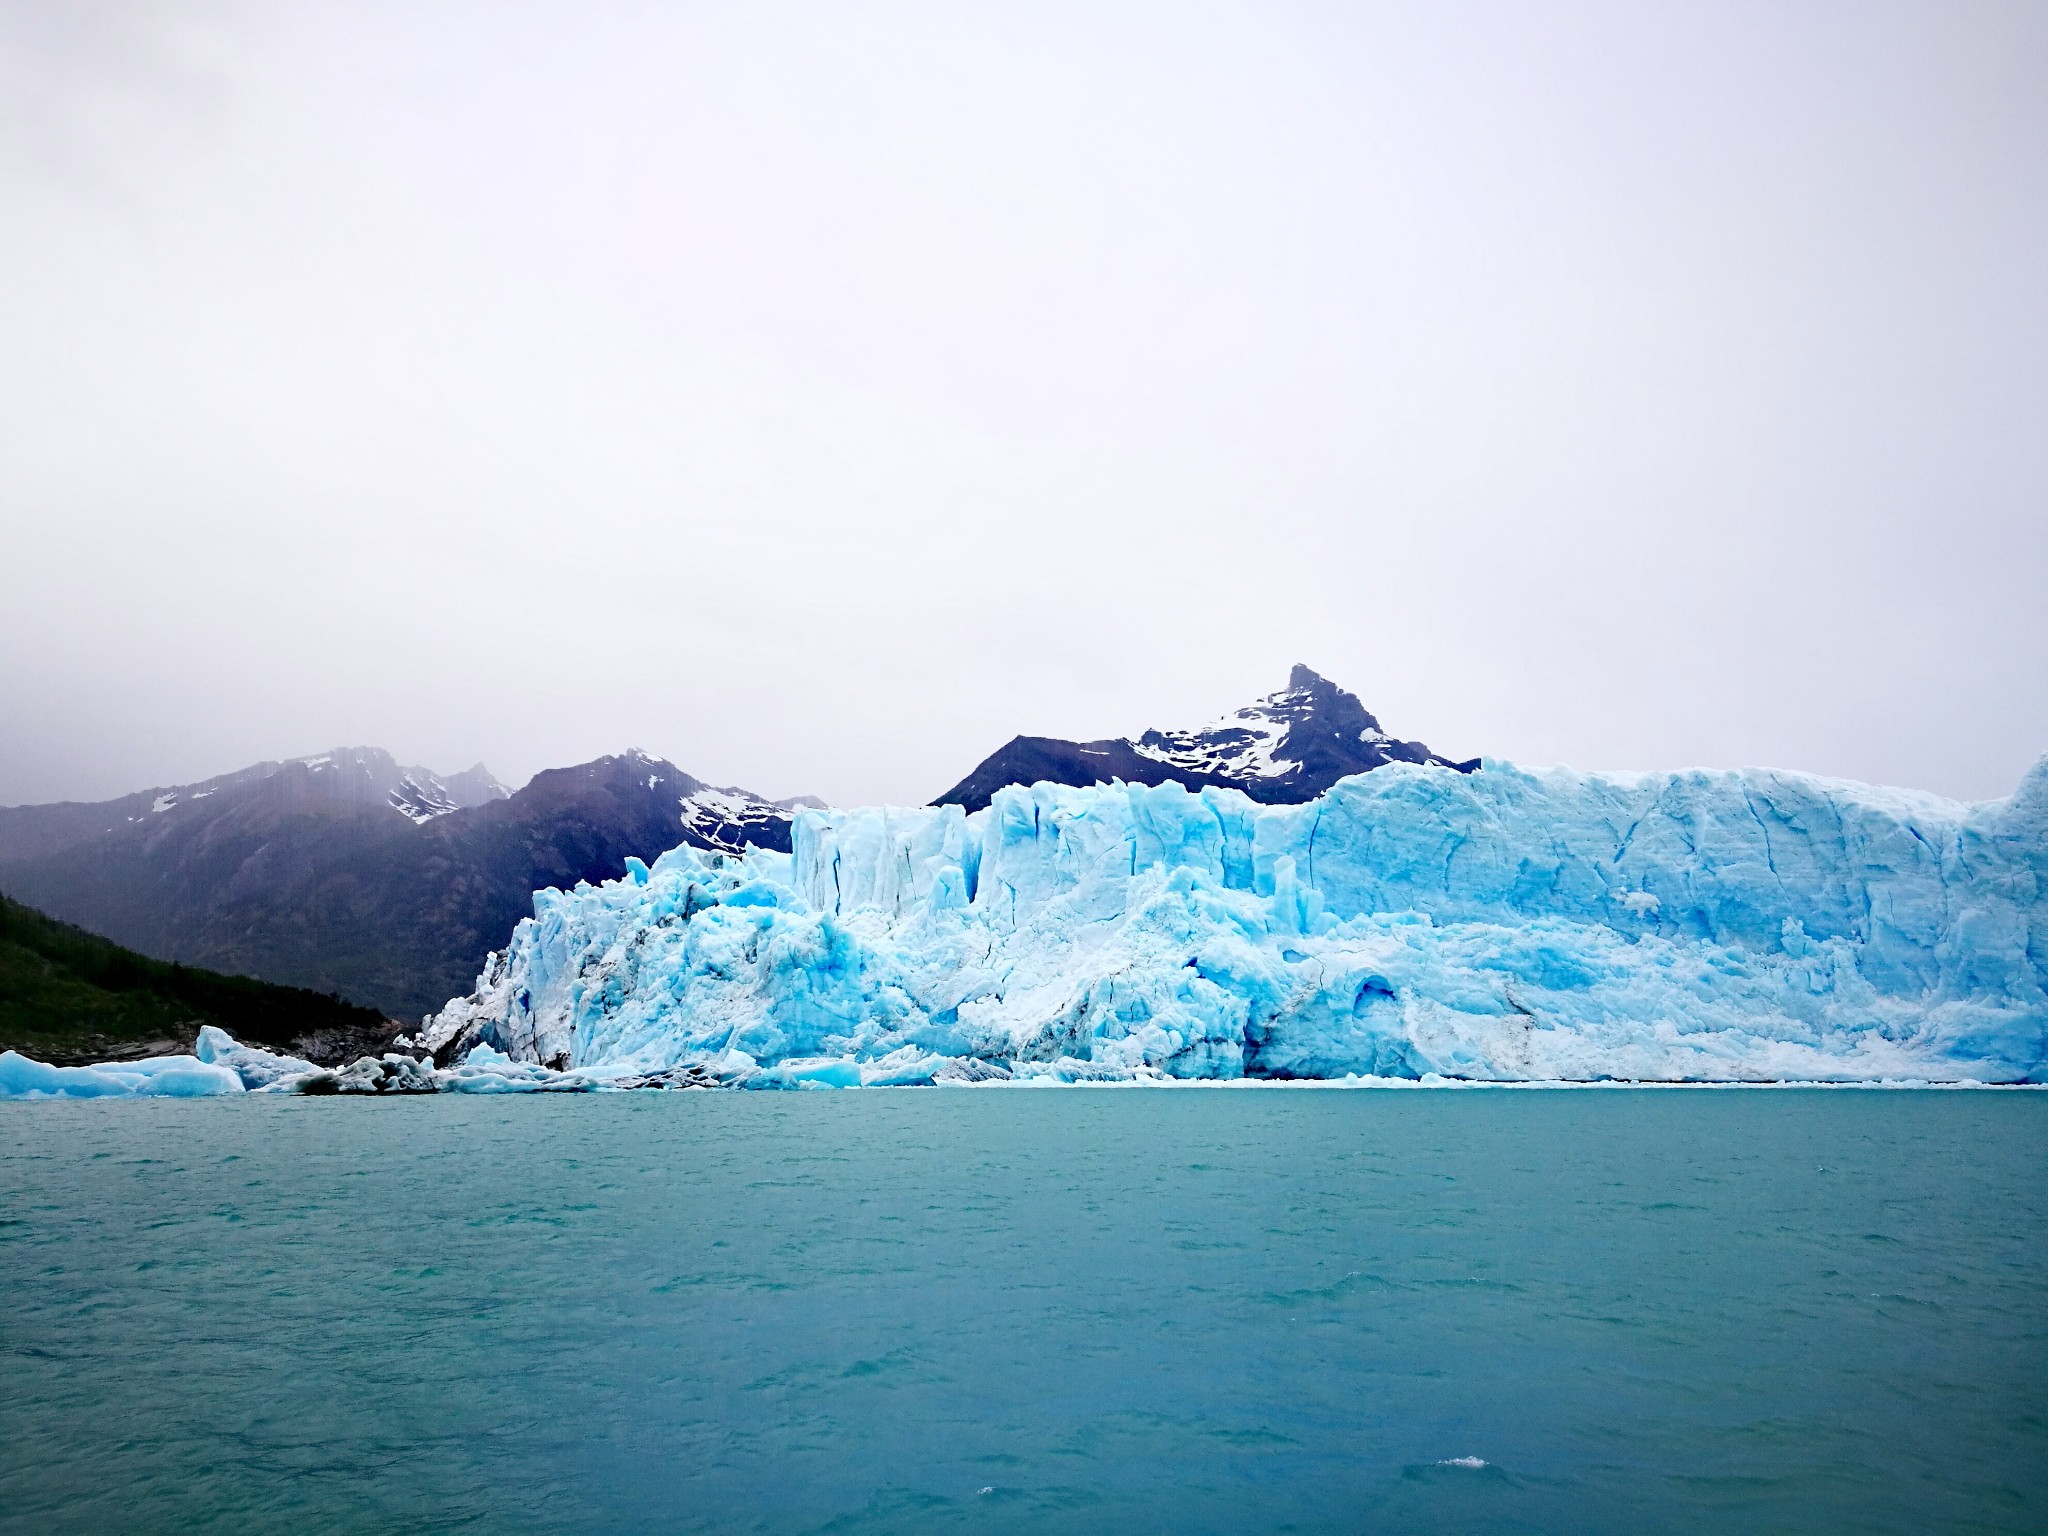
[357, 776]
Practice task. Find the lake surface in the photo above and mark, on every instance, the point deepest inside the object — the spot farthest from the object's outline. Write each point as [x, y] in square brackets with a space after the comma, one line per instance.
[1069, 1310]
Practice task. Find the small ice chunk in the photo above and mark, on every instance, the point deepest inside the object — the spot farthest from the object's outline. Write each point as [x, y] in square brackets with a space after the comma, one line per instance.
[257, 1068]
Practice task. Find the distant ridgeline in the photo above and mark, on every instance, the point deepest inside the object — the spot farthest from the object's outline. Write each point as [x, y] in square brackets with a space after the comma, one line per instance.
[1286, 748]
[351, 873]
[1505, 924]
[66, 994]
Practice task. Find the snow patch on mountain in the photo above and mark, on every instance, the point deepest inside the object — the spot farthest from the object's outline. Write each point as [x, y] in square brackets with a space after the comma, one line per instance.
[728, 817]
[1242, 745]
[420, 802]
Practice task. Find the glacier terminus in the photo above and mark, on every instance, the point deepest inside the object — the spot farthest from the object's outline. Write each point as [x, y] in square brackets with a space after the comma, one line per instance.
[1414, 922]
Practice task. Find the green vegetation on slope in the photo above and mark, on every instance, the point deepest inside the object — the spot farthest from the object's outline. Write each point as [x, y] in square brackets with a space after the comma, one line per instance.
[68, 995]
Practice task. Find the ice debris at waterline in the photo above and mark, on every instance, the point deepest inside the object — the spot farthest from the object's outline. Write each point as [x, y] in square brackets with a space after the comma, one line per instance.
[222, 1065]
[1510, 925]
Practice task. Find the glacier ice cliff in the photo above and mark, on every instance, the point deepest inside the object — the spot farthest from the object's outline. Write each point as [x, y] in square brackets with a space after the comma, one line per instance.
[1510, 924]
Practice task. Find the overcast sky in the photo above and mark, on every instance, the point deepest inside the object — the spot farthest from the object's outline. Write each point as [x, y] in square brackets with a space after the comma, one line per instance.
[819, 395]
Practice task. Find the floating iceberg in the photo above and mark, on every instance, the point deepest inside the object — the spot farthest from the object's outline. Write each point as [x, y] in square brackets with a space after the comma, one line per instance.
[254, 1066]
[222, 1065]
[219, 1064]
[154, 1077]
[1411, 923]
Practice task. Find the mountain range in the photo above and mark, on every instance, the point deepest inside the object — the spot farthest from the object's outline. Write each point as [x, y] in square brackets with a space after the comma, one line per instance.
[351, 873]
[388, 884]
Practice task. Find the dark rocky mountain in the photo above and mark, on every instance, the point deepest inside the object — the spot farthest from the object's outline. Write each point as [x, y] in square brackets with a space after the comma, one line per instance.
[347, 873]
[1286, 748]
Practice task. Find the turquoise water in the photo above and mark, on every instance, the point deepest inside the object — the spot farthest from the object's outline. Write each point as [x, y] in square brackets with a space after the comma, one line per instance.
[1180, 1310]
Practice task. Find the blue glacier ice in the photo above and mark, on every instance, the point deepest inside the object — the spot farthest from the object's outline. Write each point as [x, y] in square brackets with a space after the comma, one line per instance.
[254, 1067]
[1413, 922]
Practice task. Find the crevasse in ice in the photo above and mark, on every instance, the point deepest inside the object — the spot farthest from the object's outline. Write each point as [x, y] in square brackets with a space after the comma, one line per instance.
[1512, 924]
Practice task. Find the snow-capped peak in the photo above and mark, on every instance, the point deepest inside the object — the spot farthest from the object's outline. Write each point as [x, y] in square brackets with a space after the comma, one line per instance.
[1302, 738]
[1286, 748]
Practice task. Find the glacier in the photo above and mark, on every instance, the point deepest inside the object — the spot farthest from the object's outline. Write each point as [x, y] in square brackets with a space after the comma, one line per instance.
[1414, 923]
